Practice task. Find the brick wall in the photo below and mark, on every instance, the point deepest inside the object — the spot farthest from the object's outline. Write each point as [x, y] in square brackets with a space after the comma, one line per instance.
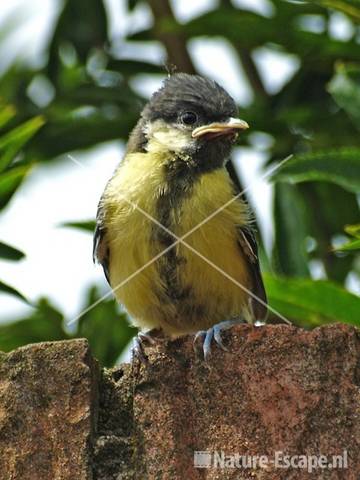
[278, 388]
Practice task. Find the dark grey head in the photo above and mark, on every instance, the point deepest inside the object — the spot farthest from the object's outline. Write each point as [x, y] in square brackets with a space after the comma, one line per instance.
[191, 116]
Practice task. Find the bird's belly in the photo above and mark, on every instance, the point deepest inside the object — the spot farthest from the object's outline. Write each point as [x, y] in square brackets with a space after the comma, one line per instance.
[193, 285]
[206, 283]
[216, 273]
[135, 279]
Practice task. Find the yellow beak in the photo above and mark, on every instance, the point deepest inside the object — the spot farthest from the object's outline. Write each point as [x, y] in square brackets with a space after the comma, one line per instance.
[232, 124]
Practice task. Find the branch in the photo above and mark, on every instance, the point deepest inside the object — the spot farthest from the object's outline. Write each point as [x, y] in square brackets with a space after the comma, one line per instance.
[174, 42]
[251, 72]
[246, 60]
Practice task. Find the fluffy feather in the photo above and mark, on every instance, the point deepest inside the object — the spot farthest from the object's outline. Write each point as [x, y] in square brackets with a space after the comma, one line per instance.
[140, 179]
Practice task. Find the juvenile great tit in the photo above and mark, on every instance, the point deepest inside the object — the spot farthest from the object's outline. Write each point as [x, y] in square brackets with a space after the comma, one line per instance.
[172, 183]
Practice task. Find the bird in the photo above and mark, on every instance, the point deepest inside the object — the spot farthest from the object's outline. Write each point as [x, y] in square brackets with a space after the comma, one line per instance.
[173, 236]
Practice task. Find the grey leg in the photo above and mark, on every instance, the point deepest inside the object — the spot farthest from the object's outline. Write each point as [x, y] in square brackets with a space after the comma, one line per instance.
[214, 332]
[141, 340]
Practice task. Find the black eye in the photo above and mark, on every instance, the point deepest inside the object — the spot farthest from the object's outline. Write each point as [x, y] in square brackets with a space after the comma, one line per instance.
[188, 118]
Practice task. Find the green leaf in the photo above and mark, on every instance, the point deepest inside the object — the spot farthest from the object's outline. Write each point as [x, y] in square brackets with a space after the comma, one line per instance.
[345, 88]
[311, 303]
[353, 230]
[251, 30]
[329, 207]
[4, 288]
[133, 67]
[132, 4]
[107, 330]
[291, 230]
[45, 324]
[10, 181]
[10, 253]
[12, 142]
[87, 225]
[7, 112]
[69, 133]
[338, 166]
[98, 96]
[91, 33]
[351, 8]
[352, 245]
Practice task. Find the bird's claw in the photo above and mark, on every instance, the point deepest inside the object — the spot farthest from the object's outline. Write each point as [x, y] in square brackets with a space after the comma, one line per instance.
[213, 332]
[140, 340]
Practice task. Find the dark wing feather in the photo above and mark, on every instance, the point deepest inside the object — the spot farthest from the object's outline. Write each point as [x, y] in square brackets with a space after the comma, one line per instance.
[249, 247]
[101, 250]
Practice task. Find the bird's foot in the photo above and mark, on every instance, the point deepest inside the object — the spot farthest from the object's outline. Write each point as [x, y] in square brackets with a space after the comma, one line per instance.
[150, 338]
[214, 332]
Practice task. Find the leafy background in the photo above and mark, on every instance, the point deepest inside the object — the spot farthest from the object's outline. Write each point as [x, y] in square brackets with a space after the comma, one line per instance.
[83, 94]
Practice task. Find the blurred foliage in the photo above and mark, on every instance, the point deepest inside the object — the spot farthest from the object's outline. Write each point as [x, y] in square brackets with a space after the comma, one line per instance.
[314, 301]
[106, 329]
[353, 244]
[86, 225]
[341, 166]
[103, 325]
[84, 94]
[12, 172]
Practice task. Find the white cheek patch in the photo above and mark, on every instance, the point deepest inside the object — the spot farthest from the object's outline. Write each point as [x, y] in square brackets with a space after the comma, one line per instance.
[163, 137]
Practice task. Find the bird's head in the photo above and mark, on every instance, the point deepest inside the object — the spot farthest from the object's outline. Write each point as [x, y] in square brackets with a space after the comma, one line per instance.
[191, 116]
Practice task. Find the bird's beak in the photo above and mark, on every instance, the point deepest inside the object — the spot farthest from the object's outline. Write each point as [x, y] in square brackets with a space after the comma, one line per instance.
[217, 128]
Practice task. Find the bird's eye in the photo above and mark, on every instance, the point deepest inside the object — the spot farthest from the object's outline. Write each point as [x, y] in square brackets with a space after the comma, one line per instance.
[188, 118]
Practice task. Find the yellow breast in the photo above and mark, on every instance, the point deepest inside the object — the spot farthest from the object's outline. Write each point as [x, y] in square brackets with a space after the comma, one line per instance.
[210, 267]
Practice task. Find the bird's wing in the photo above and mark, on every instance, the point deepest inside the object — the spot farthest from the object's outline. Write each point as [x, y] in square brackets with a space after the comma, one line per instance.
[101, 250]
[249, 247]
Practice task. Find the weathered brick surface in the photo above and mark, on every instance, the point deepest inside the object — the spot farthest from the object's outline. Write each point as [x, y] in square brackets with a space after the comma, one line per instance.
[278, 388]
[47, 412]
